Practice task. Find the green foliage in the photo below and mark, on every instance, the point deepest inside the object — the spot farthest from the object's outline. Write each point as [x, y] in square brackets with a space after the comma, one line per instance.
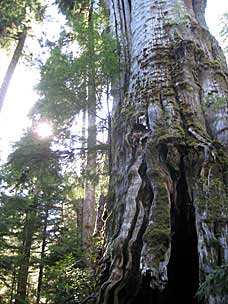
[68, 283]
[66, 6]
[216, 284]
[38, 197]
[109, 56]
[62, 87]
[35, 194]
[66, 278]
[16, 16]
[66, 75]
[85, 56]
[67, 242]
[32, 193]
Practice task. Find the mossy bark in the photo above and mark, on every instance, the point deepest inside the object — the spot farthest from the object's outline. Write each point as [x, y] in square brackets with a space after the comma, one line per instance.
[168, 148]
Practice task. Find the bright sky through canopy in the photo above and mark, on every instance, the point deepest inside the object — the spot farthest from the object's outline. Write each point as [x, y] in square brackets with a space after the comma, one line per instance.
[21, 95]
[214, 12]
[44, 129]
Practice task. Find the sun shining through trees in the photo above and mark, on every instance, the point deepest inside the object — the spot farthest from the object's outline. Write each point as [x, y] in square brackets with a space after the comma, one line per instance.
[44, 129]
[13, 118]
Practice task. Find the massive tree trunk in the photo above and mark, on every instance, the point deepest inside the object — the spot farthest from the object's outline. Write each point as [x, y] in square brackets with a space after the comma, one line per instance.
[166, 216]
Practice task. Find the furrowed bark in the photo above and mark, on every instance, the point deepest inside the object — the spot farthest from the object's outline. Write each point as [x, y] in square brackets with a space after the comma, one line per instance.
[168, 185]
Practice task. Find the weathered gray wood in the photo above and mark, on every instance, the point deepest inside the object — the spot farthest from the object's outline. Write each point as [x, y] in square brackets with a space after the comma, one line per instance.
[167, 218]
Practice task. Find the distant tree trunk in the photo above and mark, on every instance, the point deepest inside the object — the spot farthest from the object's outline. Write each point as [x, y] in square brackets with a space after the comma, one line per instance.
[99, 225]
[89, 202]
[42, 255]
[25, 257]
[166, 214]
[80, 201]
[109, 130]
[12, 289]
[11, 68]
[83, 154]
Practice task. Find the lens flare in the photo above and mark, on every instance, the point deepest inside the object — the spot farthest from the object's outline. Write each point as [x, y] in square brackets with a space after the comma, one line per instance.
[44, 129]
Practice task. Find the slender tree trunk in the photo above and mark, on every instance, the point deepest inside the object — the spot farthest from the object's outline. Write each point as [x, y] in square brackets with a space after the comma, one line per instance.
[21, 296]
[11, 68]
[89, 202]
[99, 225]
[12, 289]
[42, 256]
[167, 218]
[83, 154]
[109, 131]
[80, 201]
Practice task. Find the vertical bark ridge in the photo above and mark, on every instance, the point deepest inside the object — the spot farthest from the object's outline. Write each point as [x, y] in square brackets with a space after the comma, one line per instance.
[128, 217]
